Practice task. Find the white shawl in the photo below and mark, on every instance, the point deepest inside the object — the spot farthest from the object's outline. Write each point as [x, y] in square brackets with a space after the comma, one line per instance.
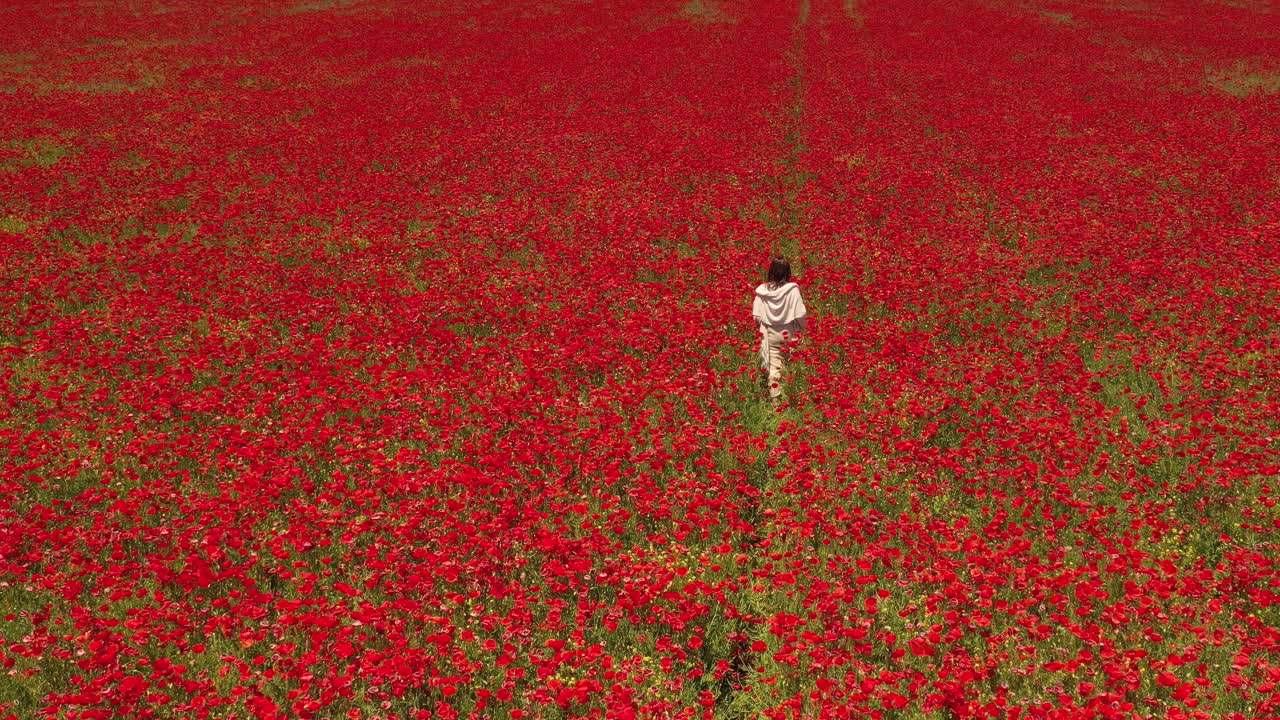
[778, 306]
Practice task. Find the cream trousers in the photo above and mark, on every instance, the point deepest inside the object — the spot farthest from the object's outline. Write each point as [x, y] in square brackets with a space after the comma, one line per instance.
[774, 341]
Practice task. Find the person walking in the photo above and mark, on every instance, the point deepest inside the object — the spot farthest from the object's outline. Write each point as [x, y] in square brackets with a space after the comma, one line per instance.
[781, 317]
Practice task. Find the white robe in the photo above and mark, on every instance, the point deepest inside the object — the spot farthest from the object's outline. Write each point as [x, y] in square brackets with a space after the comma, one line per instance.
[778, 306]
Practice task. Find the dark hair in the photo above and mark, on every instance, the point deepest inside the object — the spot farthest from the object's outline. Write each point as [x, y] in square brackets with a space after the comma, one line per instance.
[779, 271]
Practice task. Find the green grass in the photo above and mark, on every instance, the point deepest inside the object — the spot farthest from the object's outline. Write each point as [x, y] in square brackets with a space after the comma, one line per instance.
[13, 224]
[144, 78]
[320, 6]
[1264, 7]
[1243, 79]
[40, 152]
[706, 11]
[853, 11]
[1061, 18]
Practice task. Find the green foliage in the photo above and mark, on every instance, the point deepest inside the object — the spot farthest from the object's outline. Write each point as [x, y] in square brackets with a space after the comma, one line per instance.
[13, 224]
[1242, 79]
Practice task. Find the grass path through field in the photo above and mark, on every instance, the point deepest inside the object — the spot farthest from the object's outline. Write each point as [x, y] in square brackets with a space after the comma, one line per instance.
[790, 218]
[744, 695]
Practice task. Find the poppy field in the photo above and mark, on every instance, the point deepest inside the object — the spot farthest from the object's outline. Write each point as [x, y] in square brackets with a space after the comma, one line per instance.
[394, 359]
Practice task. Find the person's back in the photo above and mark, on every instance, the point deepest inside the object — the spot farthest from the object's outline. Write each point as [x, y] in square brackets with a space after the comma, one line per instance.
[780, 315]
